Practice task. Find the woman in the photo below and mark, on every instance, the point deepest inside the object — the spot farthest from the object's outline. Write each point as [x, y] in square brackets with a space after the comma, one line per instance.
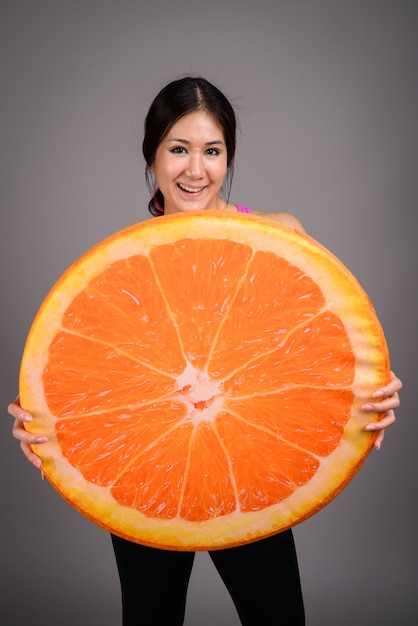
[189, 149]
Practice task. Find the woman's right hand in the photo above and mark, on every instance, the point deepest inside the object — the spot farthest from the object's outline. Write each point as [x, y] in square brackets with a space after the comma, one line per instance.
[19, 432]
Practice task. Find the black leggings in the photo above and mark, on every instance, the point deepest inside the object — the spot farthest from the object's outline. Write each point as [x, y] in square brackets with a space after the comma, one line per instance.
[262, 578]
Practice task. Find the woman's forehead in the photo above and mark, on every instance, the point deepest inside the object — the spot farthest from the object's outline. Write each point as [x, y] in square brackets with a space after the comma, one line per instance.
[196, 125]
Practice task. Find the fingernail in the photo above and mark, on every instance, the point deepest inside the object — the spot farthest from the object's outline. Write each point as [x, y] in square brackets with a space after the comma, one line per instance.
[371, 427]
[378, 394]
[367, 407]
[41, 439]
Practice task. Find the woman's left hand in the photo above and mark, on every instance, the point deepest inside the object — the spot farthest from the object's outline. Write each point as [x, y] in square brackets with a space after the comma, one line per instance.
[388, 400]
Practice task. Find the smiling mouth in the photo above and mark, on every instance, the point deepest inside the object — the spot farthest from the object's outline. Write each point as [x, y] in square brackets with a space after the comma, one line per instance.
[189, 189]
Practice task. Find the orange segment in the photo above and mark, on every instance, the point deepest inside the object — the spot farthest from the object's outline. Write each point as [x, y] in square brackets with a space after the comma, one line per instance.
[261, 481]
[84, 376]
[115, 434]
[151, 483]
[125, 300]
[316, 353]
[198, 286]
[273, 297]
[200, 379]
[213, 495]
[316, 424]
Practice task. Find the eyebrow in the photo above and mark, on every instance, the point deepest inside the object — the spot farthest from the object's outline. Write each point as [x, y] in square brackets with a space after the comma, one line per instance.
[208, 143]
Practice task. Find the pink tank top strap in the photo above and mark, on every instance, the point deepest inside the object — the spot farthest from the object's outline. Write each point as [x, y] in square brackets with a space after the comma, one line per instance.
[243, 209]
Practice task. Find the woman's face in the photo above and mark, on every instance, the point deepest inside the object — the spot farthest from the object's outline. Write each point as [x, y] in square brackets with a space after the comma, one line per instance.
[190, 164]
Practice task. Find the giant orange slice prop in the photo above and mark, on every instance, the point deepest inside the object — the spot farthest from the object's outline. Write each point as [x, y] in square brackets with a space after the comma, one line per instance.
[200, 378]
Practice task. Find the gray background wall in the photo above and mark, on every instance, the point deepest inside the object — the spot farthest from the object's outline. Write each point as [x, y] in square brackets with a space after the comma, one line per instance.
[326, 92]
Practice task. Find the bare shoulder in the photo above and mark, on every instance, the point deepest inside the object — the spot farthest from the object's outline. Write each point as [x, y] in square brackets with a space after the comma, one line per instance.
[287, 219]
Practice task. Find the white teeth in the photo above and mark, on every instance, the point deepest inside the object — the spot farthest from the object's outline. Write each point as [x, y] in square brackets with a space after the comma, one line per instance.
[189, 189]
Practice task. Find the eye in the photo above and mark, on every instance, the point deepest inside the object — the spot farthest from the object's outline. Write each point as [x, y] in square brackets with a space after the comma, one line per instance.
[213, 151]
[178, 150]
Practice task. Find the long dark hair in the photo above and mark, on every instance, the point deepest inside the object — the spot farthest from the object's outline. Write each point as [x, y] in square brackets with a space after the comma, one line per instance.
[178, 98]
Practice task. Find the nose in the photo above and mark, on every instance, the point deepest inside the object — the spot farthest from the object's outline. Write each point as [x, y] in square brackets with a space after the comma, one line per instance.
[195, 165]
